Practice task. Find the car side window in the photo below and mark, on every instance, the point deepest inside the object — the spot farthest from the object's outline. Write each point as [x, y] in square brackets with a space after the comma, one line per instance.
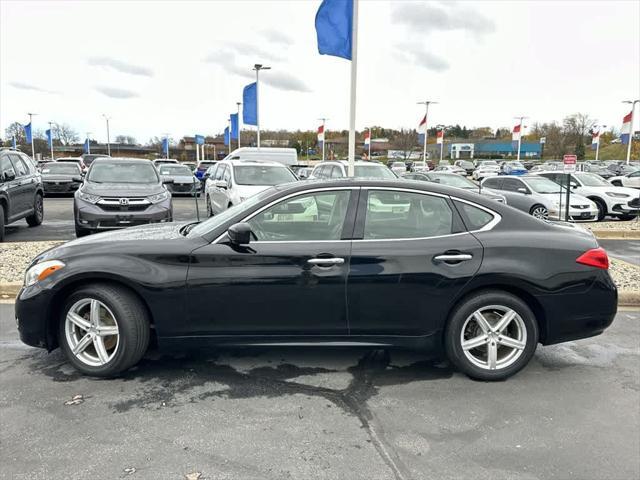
[398, 214]
[336, 172]
[312, 217]
[18, 165]
[635, 174]
[226, 175]
[493, 183]
[511, 184]
[6, 167]
[220, 171]
[474, 217]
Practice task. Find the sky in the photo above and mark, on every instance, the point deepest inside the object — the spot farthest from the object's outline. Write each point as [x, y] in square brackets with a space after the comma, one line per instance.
[178, 67]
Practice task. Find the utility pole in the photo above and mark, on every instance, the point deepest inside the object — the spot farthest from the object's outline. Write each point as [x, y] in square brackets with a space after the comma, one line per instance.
[519, 134]
[633, 107]
[257, 67]
[426, 104]
[51, 138]
[88, 142]
[108, 138]
[238, 104]
[33, 150]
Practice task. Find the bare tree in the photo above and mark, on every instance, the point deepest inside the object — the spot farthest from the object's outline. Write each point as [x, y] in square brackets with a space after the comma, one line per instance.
[405, 141]
[16, 130]
[65, 134]
[576, 128]
[126, 139]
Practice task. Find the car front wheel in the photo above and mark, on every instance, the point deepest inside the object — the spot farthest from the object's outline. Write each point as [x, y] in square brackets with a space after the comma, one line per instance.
[104, 329]
[491, 336]
[539, 211]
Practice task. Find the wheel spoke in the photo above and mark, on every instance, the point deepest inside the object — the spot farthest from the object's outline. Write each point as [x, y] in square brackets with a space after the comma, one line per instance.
[492, 355]
[82, 344]
[511, 342]
[98, 344]
[107, 330]
[78, 321]
[504, 321]
[475, 342]
[95, 313]
[482, 322]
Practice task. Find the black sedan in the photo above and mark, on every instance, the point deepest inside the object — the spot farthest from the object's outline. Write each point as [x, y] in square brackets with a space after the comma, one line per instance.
[61, 177]
[373, 263]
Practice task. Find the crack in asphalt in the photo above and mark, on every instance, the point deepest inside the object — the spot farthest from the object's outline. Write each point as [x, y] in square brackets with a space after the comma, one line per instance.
[165, 378]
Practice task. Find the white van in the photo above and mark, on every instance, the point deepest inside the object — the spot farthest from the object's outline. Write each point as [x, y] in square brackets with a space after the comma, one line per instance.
[285, 156]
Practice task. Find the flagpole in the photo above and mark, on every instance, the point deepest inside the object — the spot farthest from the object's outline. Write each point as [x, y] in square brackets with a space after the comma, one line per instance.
[257, 67]
[108, 138]
[426, 103]
[88, 143]
[195, 141]
[354, 76]
[324, 135]
[238, 104]
[51, 139]
[520, 136]
[369, 153]
[633, 107]
[33, 150]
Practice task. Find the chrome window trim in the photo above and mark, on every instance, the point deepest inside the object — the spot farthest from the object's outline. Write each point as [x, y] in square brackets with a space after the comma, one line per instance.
[291, 195]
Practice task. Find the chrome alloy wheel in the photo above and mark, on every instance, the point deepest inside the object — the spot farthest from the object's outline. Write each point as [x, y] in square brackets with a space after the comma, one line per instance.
[540, 212]
[92, 332]
[493, 337]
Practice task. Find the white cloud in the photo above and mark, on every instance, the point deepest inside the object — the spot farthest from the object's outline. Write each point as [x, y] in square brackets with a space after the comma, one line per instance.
[424, 18]
[28, 86]
[116, 92]
[120, 66]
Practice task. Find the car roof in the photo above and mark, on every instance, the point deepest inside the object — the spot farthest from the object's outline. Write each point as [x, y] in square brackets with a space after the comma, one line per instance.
[255, 162]
[120, 159]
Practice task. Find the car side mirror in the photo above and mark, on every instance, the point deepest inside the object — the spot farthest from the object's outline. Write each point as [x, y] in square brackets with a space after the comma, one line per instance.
[221, 184]
[76, 179]
[240, 234]
[167, 181]
[206, 175]
[523, 190]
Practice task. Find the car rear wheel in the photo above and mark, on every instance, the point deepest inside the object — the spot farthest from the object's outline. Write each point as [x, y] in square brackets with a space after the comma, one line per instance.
[539, 211]
[602, 208]
[491, 336]
[37, 216]
[104, 329]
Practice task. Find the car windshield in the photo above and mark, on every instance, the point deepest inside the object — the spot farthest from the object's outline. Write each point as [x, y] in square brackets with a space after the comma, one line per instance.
[373, 171]
[543, 185]
[454, 181]
[262, 175]
[515, 165]
[180, 170]
[123, 172]
[224, 216]
[465, 164]
[61, 168]
[592, 180]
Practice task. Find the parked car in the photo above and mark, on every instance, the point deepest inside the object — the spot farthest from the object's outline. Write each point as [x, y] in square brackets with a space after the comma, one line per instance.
[202, 167]
[435, 275]
[233, 181]
[21, 190]
[304, 172]
[540, 197]
[513, 168]
[421, 167]
[339, 169]
[192, 165]
[466, 165]
[61, 177]
[398, 168]
[446, 168]
[88, 158]
[484, 170]
[164, 161]
[454, 180]
[620, 202]
[285, 156]
[621, 169]
[77, 160]
[631, 179]
[119, 193]
[597, 169]
[182, 181]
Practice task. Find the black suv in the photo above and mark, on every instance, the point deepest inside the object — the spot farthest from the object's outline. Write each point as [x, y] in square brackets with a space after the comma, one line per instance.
[20, 190]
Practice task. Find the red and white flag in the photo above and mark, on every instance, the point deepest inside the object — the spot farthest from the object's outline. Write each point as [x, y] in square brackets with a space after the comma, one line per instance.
[515, 135]
[440, 136]
[422, 126]
[321, 133]
[367, 137]
[625, 131]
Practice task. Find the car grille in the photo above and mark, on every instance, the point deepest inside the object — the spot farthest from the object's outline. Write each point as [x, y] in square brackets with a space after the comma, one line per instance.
[123, 204]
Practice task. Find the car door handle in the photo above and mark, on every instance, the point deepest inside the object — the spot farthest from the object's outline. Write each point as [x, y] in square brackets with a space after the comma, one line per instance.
[454, 257]
[326, 262]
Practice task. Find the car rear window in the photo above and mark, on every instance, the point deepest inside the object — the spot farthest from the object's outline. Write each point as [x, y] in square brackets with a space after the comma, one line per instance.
[474, 217]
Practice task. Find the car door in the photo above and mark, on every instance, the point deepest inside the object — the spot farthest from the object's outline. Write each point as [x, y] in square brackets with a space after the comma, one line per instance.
[411, 256]
[25, 185]
[11, 185]
[218, 194]
[633, 180]
[290, 280]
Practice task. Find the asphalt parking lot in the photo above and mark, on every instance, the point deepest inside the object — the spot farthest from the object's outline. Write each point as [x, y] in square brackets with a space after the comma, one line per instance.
[358, 414]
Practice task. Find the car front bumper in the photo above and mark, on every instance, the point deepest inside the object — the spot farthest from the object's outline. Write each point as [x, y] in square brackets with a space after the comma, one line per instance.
[32, 311]
[94, 217]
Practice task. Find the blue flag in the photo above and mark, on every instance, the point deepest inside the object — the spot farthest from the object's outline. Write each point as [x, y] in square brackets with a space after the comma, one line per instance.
[227, 135]
[199, 139]
[15, 145]
[86, 145]
[334, 25]
[49, 138]
[421, 139]
[250, 110]
[165, 147]
[234, 126]
[27, 132]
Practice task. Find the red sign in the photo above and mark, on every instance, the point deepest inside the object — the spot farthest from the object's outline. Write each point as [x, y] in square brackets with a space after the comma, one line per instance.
[570, 159]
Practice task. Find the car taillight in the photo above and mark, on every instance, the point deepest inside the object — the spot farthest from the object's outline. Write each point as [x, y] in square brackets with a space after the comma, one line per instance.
[596, 257]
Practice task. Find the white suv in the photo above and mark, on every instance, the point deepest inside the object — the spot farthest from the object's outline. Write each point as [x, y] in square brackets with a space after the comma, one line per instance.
[233, 181]
[611, 200]
[339, 169]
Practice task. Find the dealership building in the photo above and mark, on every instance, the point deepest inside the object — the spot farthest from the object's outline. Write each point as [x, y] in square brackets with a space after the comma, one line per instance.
[493, 149]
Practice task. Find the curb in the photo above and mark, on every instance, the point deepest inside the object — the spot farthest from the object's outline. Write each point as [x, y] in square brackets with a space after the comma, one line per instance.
[617, 234]
[626, 298]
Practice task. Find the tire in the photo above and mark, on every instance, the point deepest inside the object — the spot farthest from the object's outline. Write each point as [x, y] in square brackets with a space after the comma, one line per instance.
[121, 350]
[539, 211]
[602, 208]
[627, 217]
[1, 223]
[37, 216]
[522, 330]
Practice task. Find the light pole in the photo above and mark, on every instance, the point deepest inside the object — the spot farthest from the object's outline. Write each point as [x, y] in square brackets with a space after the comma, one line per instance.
[88, 143]
[633, 106]
[598, 144]
[426, 104]
[369, 153]
[324, 135]
[441, 128]
[519, 134]
[257, 67]
[51, 138]
[238, 104]
[108, 139]
[166, 152]
[33, 150]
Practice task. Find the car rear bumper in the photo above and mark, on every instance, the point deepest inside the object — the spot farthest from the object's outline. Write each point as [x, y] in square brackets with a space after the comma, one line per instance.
[92, 217]
[587, 215]
[60, 187]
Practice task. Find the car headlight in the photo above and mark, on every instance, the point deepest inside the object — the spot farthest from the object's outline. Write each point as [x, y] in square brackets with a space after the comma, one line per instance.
[617, 195]
[88, 197]
[40, 271]
[160, 197]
